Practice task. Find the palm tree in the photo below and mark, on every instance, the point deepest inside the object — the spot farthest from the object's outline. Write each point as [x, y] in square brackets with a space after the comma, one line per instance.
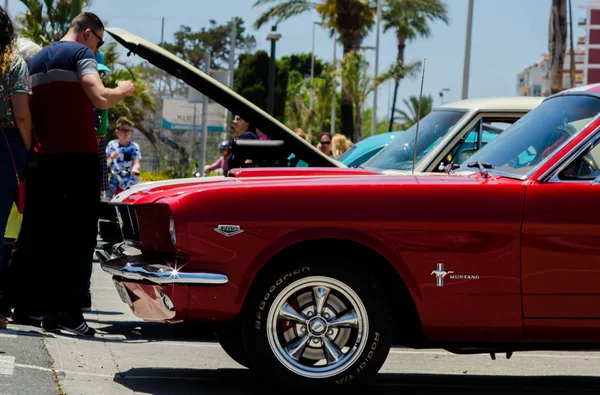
[557, 44]
[411, 116]
[410, 19]
[358, 84]
[352, 19]
[135, 108]
[47, 21]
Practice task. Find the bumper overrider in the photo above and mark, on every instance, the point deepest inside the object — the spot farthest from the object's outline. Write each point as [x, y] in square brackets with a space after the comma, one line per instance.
[131, 263]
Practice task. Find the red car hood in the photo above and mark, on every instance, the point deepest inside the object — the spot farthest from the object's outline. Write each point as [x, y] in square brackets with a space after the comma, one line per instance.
[150, 192]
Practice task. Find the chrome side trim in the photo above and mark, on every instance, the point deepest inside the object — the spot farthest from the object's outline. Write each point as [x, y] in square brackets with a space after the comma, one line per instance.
[162, 274]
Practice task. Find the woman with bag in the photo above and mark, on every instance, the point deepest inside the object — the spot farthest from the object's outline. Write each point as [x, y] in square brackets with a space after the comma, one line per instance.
[15, 130]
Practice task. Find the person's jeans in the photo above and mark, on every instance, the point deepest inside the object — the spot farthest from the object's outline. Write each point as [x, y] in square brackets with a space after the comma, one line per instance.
[8, 190]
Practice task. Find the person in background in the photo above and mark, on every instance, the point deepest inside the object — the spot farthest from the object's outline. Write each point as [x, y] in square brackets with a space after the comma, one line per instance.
[101, 118]
[123, 156]
[325, 144]
[15, 130]
[66, 89]
[27, 49]
[243, 130]
[301, 133]
[339, 145]
[225, 149]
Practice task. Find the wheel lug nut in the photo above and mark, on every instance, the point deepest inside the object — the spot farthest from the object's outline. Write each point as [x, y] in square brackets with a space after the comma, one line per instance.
[330, 333]
[303, 329]
[315, 340]
[326, 316]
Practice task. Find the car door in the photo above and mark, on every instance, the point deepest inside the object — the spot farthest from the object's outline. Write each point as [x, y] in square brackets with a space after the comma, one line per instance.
[561, 242]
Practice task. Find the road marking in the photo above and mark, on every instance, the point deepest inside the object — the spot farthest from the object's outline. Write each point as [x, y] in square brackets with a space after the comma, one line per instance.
[7, 365]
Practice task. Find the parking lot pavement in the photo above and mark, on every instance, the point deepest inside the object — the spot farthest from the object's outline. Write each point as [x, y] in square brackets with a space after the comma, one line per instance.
[25, 366]
[130, 356]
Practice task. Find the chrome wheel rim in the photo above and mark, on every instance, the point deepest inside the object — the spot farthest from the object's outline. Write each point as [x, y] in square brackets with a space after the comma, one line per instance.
[317, 327]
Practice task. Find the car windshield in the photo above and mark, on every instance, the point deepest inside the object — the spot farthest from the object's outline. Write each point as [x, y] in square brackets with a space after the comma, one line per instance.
[399, 154]
[537, 136]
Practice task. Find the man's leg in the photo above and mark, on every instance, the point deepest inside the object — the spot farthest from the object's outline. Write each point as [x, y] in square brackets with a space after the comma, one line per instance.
[81, 208]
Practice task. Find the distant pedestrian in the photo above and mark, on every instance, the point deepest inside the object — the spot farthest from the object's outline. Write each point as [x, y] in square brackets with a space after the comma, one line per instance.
[339, 145]
[15, 130]
[63, 190]
[221, 163]
[243, 130]
[301, 133]
[325, 144]
[123, 157]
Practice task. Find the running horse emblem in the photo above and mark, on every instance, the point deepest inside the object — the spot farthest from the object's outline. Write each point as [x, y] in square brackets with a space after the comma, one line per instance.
[440, 273]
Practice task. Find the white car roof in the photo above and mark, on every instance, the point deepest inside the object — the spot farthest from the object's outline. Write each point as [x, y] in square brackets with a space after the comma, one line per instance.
[497, 103]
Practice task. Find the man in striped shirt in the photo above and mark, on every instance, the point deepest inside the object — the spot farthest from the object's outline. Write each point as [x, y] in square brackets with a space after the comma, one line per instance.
[59, 227]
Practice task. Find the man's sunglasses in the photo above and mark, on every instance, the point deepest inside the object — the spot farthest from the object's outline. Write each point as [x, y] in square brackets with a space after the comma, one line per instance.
[125, 130]
[101, 43]
[325, 142]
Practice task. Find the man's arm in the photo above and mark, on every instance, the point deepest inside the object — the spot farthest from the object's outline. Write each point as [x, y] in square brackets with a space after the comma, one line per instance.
[102, 97]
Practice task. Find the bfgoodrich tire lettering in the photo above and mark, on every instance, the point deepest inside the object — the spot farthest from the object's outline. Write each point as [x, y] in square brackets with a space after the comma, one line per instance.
[326, 323]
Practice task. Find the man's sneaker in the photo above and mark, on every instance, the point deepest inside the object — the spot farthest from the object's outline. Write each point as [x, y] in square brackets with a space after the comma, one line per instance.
[50, 322]
[75, 324]
[31, 319]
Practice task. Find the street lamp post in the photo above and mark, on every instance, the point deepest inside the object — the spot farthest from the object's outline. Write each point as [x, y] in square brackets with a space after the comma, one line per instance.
[442, 93]
[312, 74]
[273, 36]
[332, 130]
[6, 5]
[467, 65]
[374, 111]
[204, 134]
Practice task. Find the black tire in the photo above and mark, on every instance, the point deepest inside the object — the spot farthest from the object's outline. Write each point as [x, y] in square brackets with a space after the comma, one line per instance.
[230, 339]
[362, 359]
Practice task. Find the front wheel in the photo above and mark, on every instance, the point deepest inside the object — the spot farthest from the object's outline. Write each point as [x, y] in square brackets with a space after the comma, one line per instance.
[321, 324]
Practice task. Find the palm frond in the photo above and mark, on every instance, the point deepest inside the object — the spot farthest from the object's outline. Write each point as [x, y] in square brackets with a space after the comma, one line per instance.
[283, 11]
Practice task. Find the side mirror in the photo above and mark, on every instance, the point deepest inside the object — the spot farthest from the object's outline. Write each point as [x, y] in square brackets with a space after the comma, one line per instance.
[596, 181]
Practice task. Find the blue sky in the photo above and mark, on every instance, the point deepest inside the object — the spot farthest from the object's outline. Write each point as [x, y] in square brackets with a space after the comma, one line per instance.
[508, 35]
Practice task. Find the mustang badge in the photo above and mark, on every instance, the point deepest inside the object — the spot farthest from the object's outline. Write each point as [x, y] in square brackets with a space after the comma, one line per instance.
[229, 230]
[440, 273]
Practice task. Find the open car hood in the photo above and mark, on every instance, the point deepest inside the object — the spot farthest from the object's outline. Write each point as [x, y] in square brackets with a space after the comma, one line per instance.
[218, 92]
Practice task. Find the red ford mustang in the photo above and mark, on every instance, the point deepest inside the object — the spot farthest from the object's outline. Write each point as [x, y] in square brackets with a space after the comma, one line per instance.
[315, 273]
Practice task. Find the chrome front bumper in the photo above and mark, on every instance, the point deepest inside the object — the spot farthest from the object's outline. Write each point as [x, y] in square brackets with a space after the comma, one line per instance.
[130, 263]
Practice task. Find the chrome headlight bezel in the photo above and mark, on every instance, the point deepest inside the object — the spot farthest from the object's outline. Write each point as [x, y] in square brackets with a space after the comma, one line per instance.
[172, 231]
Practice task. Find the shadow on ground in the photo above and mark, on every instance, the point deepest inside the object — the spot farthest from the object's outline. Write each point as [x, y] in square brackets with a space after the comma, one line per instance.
[242, 381]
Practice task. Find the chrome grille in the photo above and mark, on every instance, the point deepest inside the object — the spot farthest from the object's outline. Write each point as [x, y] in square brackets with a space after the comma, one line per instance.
[128, 223]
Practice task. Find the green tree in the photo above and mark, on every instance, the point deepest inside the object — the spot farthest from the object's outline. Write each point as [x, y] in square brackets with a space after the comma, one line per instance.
[352, 19]
[410, 19]
[251, 81]
[358, 84]
[137, 108]
[410, 116]
[47, 21]
[192, 46]
[301, 62]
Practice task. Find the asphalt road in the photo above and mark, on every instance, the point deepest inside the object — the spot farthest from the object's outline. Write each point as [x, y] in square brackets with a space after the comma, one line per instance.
[129, 356]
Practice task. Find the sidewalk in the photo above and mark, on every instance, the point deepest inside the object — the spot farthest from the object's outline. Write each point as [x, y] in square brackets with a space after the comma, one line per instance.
[130, 355]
